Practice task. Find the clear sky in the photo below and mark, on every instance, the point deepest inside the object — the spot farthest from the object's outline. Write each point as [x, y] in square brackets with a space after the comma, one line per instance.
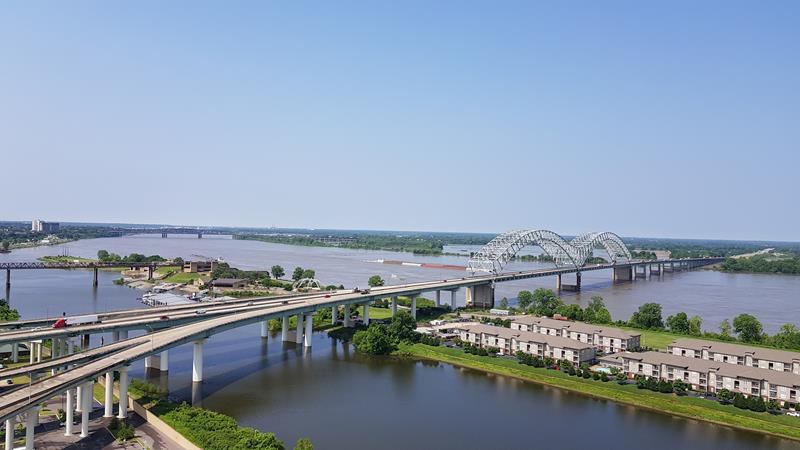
[677, 118]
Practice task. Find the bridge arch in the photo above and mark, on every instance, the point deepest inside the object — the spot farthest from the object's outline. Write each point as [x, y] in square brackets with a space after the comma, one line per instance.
[308, 283]
[493, 256]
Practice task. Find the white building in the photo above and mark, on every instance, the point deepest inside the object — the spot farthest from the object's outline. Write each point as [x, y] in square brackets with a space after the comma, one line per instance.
[603, 338]
[509, 341]
[764, 358]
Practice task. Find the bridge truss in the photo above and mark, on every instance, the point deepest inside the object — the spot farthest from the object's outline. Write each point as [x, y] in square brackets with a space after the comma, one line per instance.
[493, 256]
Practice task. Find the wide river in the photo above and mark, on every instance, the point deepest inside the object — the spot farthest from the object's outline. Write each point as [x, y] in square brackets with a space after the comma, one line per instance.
[343, 400]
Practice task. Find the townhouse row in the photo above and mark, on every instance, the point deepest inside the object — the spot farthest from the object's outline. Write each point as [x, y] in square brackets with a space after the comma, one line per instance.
[709, 375]
[602, 338]
[742, 355]
[509, 341]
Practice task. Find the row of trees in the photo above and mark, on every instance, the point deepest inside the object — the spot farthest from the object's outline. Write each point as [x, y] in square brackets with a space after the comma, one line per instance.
[544, 302]
[380, 339]
[582, 371]
[105, 256]
[764, 263]
[744, 327]
[300, 273]
[664, 386]
[753, 402]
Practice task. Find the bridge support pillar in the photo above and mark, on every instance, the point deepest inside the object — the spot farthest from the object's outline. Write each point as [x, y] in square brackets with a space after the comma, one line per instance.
[8, 278]
[197, 361]
[334, 314]
[347, 323]
[264, 329]
[69, 411]
[88, 387]
[309, 330]
[414, 306]
[299, 329]
[9, 434]
[284, 328]
[558, 282]
[199, 235]
[366, 314]
[163, 363]
[150, 272]
[15, 352]
[79, 398]
[163, 235]
[94, 278]
[453, 299]
[480, 296]
[438, 298]
[573, 287]
[394, 306]
[30, 424]
[622, 274]
[109, 395]
[640, 273]
[123, 393]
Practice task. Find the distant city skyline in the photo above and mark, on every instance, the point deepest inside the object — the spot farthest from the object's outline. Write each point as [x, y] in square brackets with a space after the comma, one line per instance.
[653, 120]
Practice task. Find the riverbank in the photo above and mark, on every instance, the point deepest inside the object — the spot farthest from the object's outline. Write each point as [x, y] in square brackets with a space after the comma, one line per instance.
[687, 407]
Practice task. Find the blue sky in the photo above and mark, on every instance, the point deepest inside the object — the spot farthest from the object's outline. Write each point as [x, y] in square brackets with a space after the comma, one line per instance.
[676, 119]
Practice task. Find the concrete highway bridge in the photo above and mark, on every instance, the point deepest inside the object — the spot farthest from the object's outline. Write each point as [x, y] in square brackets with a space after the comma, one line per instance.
[72, 373]
[151, 267]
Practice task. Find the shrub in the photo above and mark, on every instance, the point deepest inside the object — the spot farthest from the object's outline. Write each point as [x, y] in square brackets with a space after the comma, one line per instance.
[603, 377]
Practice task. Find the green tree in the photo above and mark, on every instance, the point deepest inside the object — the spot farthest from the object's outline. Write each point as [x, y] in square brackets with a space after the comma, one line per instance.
[787, 337]
[545, 302]
[375, 281]
[277, 271]
[748, 328]
[102, 255]
[725, 329]
[503, 303]
[679, 323]
[571, 311]
[402, 327]
[297, 274]
[309, 273]
[7, 313]
[524, 299]
[178, 260]
[695, 323]
[303, 444]
[648, 317]
[5, 245]
[375, 340]
[596, 311]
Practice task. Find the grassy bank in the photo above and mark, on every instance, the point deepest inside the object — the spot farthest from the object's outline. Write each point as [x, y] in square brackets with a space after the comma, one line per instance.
[689, 407]
[204, 428]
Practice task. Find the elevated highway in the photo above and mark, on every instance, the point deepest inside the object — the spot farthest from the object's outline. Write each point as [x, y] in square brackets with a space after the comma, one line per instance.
[182, 325]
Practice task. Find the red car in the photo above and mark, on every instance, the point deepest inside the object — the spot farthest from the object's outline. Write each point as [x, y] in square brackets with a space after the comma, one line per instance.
[60, 323]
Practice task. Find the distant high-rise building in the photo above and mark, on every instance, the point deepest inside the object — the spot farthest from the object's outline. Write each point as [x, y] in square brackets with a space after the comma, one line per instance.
[44, 227]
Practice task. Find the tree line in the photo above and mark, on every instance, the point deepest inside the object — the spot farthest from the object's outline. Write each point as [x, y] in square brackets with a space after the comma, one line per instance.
[763, 264]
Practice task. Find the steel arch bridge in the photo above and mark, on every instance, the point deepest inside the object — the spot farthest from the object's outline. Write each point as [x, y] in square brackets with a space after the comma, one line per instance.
[493, 256]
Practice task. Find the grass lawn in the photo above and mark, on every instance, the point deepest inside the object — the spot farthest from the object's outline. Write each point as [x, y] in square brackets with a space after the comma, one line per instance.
[182, 277]
[689, 407]
[376, 313]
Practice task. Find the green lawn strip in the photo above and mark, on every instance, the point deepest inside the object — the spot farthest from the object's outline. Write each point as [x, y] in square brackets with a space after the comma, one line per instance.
[376, 313]
[182, 277]
[689, 407]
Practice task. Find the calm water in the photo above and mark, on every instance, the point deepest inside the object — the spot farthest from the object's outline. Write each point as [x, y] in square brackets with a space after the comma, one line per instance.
[342, 400]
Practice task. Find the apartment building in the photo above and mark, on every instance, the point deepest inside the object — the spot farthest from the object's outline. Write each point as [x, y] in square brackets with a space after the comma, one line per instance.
[743, 355]
[709, 375]
[510, 341]
[602, 338]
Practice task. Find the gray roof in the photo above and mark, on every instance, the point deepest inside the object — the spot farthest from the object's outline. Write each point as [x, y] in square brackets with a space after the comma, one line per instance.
[528, 336]
[787, 379]
[578, 327]
[738, 350]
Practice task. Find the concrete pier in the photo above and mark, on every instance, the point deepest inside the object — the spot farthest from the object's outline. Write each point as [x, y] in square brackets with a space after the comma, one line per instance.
[620, 274]
[264, 329]
[438, 298]
[414, 306]
[394, 306]
[347, 322]
[69, 410]
[299, 329]
[309, 330]
[9, 434]
[197, 361]
[123, 393]
[453, 299]
[109, 395]
[86, 401]
[366, 314]
[284, 328]
[480, 296]
[30, 424]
